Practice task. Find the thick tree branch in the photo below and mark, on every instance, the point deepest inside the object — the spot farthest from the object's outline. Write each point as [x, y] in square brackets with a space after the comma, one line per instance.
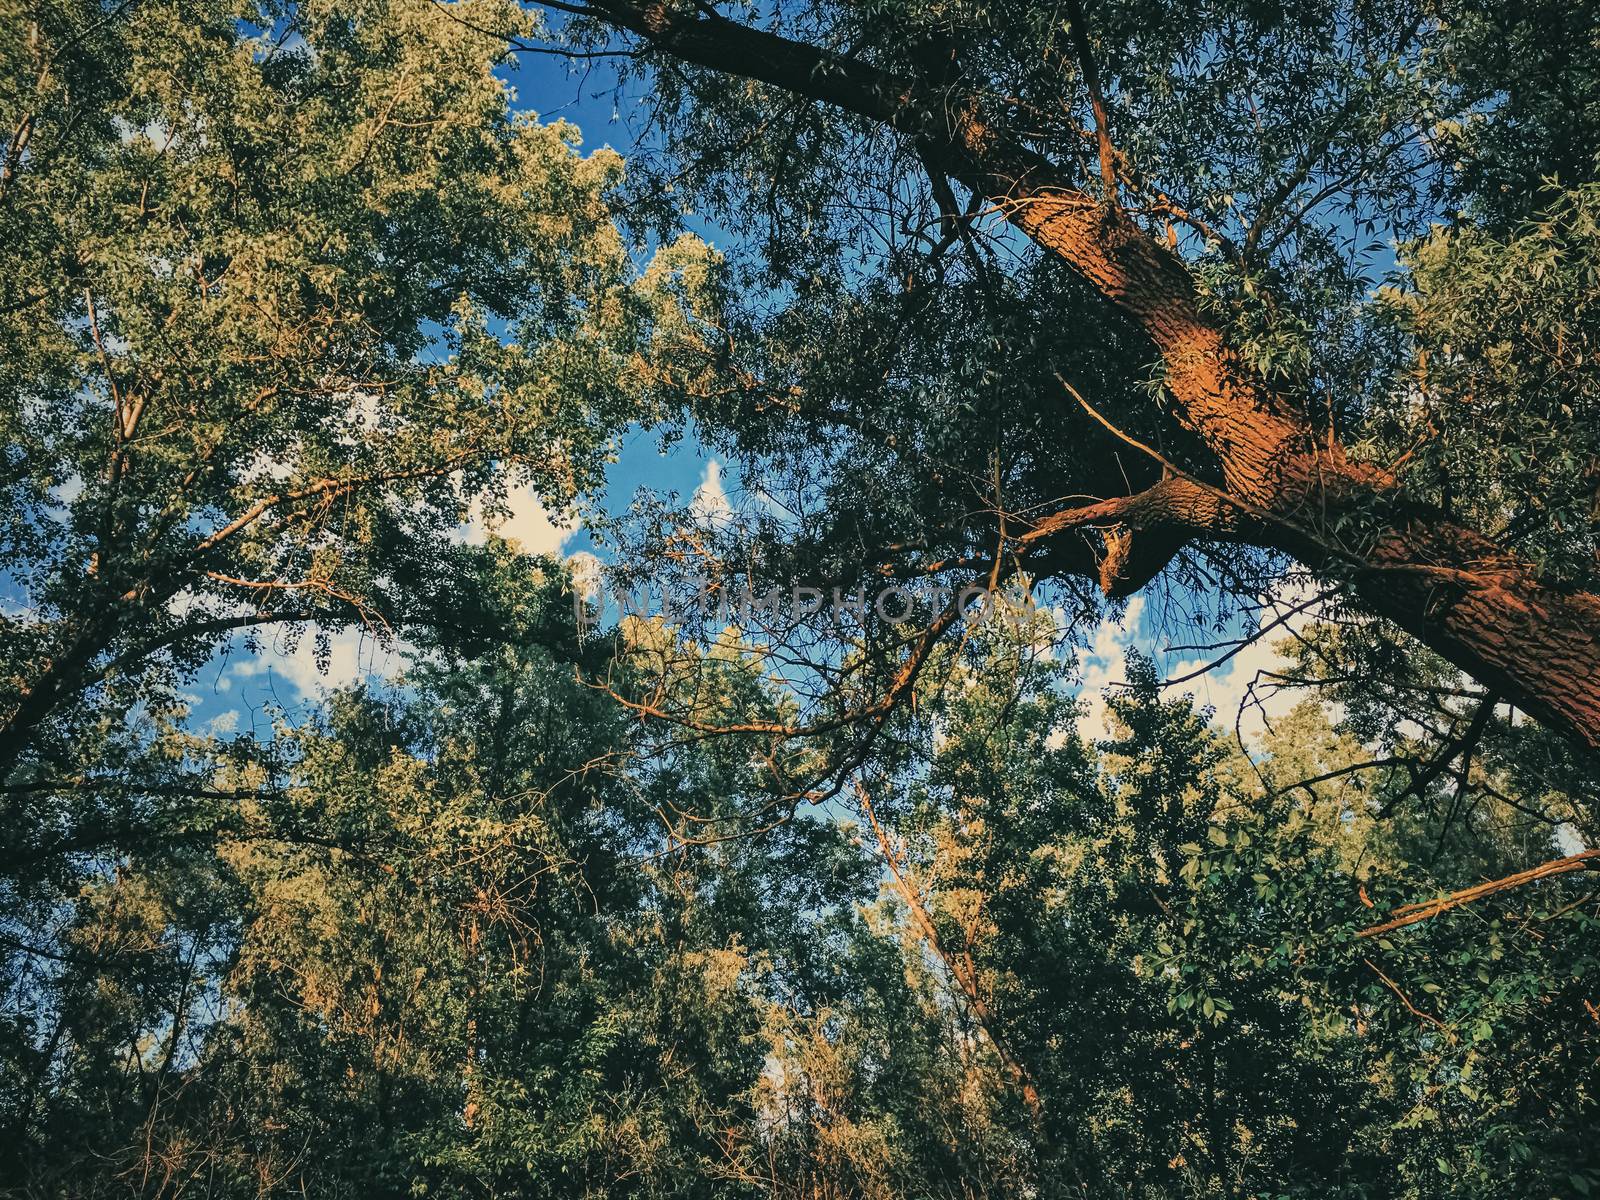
[1097, 102]
[1478, 604]
[1410, 914]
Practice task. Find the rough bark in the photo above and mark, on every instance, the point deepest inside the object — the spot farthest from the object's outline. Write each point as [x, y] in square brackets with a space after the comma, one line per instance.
[1478, 604]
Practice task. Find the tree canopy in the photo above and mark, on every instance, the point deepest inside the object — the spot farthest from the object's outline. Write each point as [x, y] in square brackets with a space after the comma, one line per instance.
[1272, 320]
[442, 948]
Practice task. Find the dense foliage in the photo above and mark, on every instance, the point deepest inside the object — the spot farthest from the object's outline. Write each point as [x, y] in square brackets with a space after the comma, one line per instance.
[775, 904]
[277, 307]
[443, 948]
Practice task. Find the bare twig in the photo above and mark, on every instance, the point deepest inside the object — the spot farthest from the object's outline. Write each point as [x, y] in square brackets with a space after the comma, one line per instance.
[1410, 1007]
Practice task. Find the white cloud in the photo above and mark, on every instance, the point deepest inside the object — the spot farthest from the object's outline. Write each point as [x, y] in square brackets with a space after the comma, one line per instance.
[354, 655]
[364, 416]
[357, 654]
[1569, 840]
[269, 468]
[1228, 686]
[530, 524]
[1052, 626]
[67, 491]
[1105, 665]
[224, 723]
[710, 506]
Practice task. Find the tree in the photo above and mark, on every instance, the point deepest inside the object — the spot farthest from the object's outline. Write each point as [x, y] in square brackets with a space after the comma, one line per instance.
[431, 944]
[287, 288]
[1153, 936]
[820, 910]
[445, 936]
[1212, 181]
